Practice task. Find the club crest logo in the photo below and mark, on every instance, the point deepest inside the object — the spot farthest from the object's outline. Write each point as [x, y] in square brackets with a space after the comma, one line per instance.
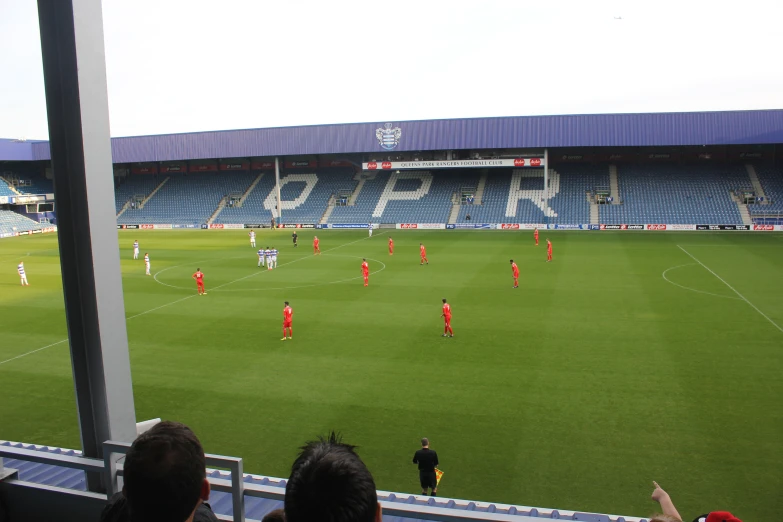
[388, 136]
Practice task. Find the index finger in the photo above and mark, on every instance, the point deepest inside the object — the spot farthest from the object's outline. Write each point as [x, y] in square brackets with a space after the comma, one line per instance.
[656, 484]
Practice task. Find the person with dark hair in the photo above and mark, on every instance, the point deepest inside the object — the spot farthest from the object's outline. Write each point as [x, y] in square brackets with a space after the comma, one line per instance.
[330, 483]
[427, 460]
[277, 515]
[165, 479]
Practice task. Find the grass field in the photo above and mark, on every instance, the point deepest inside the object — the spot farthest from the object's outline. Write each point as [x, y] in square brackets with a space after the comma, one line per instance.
[625, 360]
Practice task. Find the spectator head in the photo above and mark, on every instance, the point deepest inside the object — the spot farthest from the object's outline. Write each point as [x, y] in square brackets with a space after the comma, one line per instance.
[165, 474]
[330, 483]
[278, 515]
[425, 442]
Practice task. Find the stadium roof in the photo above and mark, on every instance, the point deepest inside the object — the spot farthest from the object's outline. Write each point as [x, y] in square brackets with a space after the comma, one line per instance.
[588, 130]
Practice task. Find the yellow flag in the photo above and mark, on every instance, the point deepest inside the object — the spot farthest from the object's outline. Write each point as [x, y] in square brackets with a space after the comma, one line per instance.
[438, 476]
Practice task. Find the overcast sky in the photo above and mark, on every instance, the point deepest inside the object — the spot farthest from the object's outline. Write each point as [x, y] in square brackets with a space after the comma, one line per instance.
[181, 66]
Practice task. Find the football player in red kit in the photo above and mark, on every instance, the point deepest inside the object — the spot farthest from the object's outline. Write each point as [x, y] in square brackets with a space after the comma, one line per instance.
[548, 250]
[288, 316]
[535, 235]
[391, 247]
[199, 277]
[366, 272]
[446, 315]
[316, 246]
[515, 272]
[423, 252]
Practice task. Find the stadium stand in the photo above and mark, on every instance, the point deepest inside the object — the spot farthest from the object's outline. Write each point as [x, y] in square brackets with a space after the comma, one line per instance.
[5, 190]
[429, 198]
[305, 195]
[11, 222]
[187, 199]
[28, 180]
[676, 194]
[648, 194]
[134, 186]
[252, 210]
[566, 202]
[771, 180]
[256, 507]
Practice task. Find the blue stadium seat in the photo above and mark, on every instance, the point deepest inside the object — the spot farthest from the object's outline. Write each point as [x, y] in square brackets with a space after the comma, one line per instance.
[676, 194]
[11, 222]
[771, 180]
[187, 199]
[325, 182]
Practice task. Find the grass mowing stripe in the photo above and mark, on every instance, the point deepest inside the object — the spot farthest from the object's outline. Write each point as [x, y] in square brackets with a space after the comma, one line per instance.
[572, 392]
[177, 301]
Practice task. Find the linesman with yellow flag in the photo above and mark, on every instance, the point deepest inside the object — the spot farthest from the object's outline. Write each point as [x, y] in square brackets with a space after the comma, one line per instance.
[427, 460]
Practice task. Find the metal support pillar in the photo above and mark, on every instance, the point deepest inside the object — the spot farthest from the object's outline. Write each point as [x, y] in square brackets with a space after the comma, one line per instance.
[277, 189]
[546, 170]
[78, 113]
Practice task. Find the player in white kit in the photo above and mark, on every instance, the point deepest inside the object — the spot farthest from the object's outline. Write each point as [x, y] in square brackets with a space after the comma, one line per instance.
[147, 262]
[369, 228]
[268, 255]
[252, 235]
[20, 269]
[261, 257]
[136, 249]
[274, 258]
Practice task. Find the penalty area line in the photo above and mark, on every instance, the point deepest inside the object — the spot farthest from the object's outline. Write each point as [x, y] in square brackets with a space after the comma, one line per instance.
[765, 316]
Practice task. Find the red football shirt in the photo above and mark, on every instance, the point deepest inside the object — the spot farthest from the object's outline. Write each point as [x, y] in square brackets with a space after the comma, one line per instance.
[549, 247]
[447, 310]
[288, 314]
[316, 241]
[423, 250]
[199, 277]
[391, 243]
[365, 267]
[515, 269]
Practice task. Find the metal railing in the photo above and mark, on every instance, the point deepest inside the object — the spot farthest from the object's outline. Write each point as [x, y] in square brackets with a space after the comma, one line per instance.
[114, 452]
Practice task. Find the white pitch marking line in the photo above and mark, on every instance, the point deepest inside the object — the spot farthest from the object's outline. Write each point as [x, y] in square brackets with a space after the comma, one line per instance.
[28, 353]
[693, 289]
[173, 302]
[773, 323]
[155, 277]
[159, 307]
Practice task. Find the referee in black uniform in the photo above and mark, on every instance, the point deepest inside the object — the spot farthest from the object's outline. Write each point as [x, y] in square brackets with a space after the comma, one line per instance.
[427, 460]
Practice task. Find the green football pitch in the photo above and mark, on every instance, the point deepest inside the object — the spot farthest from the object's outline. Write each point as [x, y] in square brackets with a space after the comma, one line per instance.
[632, 357]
